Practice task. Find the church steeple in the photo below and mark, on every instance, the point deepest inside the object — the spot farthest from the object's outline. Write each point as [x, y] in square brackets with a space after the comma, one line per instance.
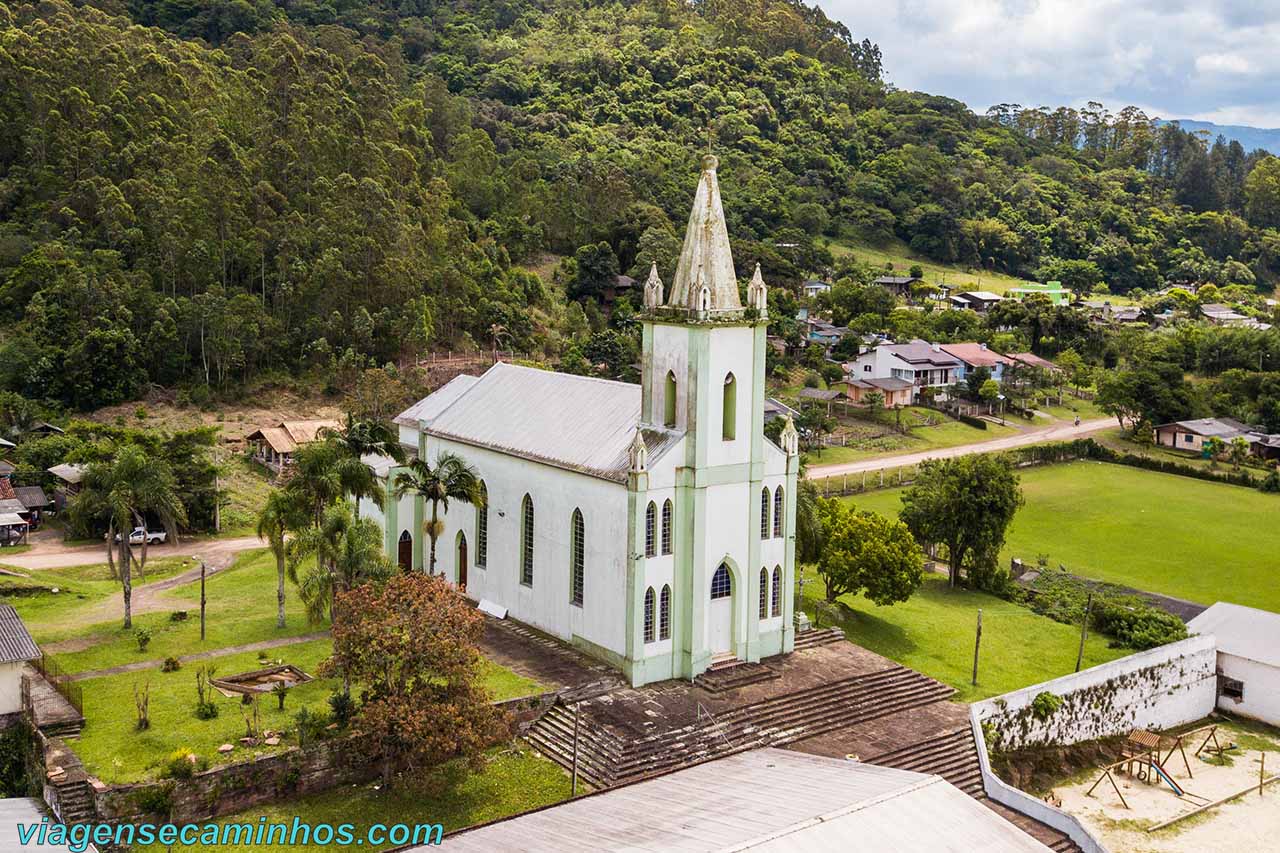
[705, 283]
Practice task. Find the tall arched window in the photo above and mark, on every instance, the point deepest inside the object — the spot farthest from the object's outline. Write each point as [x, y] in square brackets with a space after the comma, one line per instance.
[664, 614]
[764, 593]
[526, 541]
[669, 400]
[482, 528]
[577, 557]
[777, 590]
[648, 615]
[721, 583]
[729, 409]
[764, 513]
[651, 530]
[668, 511]
[777, 512]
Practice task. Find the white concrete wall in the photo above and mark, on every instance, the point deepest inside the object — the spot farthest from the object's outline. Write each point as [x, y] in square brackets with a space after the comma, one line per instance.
[1261, 688]
[10, 688]
[555, 492]
[1156, 689]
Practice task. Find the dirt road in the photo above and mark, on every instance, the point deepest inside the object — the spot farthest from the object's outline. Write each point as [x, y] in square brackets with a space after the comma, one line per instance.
[1063, 432]
[52, 553]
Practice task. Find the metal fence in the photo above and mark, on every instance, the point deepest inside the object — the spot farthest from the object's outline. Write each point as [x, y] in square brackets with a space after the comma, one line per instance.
[60, 680]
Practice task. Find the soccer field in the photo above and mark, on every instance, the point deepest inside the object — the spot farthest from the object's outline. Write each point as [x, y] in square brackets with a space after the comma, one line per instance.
[1189, 538]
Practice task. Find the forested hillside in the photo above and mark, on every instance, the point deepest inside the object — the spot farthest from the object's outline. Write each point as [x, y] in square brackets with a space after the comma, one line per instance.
[202, 194]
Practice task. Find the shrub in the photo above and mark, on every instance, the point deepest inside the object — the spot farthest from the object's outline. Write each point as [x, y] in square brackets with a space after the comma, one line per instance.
[171, 664]
[1128, 619]
[178, 616]
[311, 726]
[343, 707]
[143, 636]
[1044, 705]
[1270, 483]
[832, 373]
[812, 379]
[183, 764]
[971, 421]
[206, 708]
[155, 799]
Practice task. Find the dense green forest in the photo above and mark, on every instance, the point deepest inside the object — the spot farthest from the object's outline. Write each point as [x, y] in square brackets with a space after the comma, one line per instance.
[206, 194]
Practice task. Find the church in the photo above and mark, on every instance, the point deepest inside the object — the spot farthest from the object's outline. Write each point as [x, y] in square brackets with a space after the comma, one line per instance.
[651, 526]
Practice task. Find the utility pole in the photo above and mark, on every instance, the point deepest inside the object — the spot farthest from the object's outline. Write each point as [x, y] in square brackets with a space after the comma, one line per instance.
[977, 644]
[1084, 630]
[202, 600]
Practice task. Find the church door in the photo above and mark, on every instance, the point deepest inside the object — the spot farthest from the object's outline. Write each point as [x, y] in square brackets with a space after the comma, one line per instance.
[404, 554]
[462, 561]
[720, 612]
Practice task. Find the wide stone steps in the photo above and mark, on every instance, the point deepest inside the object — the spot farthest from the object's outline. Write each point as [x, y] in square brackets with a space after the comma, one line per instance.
[725, 678]
[606, 759]
[818, 637]
[953, 756]
[75, 803]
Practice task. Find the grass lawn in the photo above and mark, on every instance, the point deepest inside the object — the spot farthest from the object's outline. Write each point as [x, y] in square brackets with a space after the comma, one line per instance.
[898, 254]
[511, 783]
[949, 433]
[933, 632]
[1189, 538]
[115, 751]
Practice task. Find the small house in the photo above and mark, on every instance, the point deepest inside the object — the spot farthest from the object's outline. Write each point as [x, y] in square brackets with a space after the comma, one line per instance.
[814, 288]
[16, 650]
[69, 476]
[1248, 658]
[273, 446]
[1057, 294]
[896, 392]
[919, 363]
[1030, 359]
[899, 285]
[973, 355]
[1191, 435]
[980, 301]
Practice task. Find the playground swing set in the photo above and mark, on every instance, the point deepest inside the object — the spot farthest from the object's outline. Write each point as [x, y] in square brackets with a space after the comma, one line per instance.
[1142, 760]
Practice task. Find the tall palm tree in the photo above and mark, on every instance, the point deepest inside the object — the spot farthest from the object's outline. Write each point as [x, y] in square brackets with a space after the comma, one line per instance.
[323, 473]
[123, 492]
[281, 515]
[358, 438]
[451, 478]
[348, 553]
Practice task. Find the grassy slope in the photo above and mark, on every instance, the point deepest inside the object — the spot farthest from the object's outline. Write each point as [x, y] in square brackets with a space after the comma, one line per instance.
[1188, 538]
[899, 254]
[949, 433]
[933, 632]
[511, 783]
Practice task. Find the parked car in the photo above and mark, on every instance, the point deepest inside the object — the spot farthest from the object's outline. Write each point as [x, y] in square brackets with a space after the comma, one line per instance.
[153, 537]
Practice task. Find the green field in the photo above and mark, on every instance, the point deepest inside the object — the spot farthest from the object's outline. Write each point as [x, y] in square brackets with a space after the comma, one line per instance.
[1189, 538]
[933, 632]
[897, 253]
[949, 433]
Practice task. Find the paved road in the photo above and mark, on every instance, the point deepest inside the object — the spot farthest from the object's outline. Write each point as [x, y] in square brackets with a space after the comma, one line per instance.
[1062, 432]
[52, 553]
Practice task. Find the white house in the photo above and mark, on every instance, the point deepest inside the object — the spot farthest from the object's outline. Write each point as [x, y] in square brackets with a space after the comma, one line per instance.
[16, 648]
[650, 525]
[1248, 658]
[919, 362]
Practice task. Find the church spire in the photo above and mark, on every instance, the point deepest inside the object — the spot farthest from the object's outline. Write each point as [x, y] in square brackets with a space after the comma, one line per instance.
[705, 282]
[653, 289]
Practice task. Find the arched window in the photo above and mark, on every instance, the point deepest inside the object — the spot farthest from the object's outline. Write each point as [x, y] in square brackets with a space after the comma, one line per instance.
[482, 527]
[651, 530]
[648, 615]
[764, 513]
[764, 593]
[721, 583]
[526, 541]
[404, 550]
[729, 410]
[668, 511]
[577, 557]
[777, 512]
[777, 590]
[669, 400]
[664, 614]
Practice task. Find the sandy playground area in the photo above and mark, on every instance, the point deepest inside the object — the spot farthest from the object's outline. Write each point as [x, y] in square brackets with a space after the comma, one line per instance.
[1248, 823]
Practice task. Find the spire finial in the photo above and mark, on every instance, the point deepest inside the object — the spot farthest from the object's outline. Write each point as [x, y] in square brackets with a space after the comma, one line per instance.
[639, 453]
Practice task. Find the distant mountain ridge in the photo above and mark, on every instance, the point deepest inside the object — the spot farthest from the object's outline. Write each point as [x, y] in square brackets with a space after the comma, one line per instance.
[1265, 138]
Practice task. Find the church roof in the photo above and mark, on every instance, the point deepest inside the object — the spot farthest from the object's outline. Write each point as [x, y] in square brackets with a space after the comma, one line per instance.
[705, 258]
[579, 423]
[437, 401]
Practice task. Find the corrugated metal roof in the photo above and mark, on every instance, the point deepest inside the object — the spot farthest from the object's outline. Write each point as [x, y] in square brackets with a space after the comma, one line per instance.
[15, 643]
[579, 423]
[437, 401]
[767, 799]
[10, 518]
[1241, 631]
[68, 472]
[12, 505]
[32, 497]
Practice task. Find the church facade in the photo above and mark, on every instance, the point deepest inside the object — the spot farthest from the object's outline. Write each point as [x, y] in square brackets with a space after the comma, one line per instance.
[651, 526]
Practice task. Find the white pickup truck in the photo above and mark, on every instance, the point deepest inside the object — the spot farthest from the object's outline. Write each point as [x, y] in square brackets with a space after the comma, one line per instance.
[152, 537]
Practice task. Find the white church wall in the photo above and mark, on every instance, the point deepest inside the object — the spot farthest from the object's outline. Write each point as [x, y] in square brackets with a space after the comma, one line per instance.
[555, 493]
[670, 355]
[734, 352]
[408, 435]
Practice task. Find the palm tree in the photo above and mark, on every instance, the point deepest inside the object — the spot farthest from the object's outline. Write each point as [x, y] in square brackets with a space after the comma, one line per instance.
[365, 438]
[123, 492]
[323, 473]
[281, 515]
[348, 553]
[450, 479]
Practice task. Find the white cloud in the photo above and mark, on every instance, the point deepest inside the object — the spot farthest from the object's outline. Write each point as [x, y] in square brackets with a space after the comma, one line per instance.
[1179, 58]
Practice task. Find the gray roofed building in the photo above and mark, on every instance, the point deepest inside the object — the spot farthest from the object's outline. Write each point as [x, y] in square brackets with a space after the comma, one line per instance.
[68, 472]
[579, 423]
[12, 505]
[1224, 428]
[32, 497]
[426, 409]
[818, 394]
[768, 800]
[15, 642]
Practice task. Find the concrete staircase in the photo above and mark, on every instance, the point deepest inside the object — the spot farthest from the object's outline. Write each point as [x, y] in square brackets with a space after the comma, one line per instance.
[818, 637]
[75, 802]
[606, 758]
[954, 757]
[721, 678]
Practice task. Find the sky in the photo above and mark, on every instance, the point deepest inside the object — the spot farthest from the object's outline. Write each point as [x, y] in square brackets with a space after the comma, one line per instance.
[1214, 60]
